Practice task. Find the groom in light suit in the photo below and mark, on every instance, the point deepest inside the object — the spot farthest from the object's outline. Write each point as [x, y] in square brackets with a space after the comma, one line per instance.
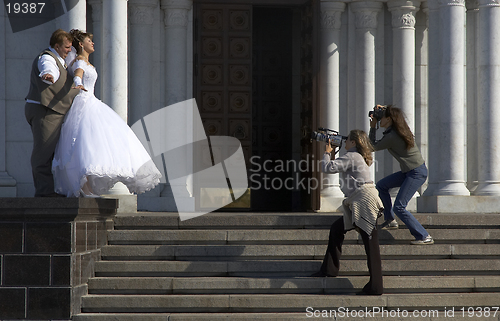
[49, 98]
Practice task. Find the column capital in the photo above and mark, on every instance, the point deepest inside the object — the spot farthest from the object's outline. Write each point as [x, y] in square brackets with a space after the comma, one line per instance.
[403, 13]
[176, 4]
[96, 9]
[452, 3]
[141, 11]
[488, 3]
[366, 13]
[331, 14]
[176, 13]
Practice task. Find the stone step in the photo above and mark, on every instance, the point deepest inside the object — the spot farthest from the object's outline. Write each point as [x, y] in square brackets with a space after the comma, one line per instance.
[238, 285]
[304, 252]
[293, 268]
[241, 303]
[243, 220]
[195, 317]
[434, 315]
[298, 236]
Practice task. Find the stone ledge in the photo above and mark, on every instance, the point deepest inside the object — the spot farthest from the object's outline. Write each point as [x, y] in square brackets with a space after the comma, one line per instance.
[20, 208]
[249, 317]
[458, 204]
[48, 248]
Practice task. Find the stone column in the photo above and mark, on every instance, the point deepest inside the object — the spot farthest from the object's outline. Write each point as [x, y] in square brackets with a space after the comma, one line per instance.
[434, 83]
[114, 78]
[331, 11]
[176, 27]
[452, 109]
[421, 84]
[403, 26]
[176, 23]
[366, 14]
[488, 42]
[7, 183]
[74, 17]
[446, 189]
[114, 72]
[472, 90]
[141, 60]
[96, 57]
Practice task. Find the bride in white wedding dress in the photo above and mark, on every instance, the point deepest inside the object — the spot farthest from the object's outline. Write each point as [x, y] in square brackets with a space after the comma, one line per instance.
[97, 148]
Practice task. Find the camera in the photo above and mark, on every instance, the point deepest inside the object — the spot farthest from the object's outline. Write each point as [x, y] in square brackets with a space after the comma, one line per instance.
[378, 113]
[325, 134]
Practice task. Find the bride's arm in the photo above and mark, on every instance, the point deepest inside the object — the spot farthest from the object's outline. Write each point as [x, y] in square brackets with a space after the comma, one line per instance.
[78, 79]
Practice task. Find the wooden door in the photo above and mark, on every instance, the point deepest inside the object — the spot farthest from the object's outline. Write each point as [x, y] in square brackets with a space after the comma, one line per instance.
[309, 100]
[223, 73]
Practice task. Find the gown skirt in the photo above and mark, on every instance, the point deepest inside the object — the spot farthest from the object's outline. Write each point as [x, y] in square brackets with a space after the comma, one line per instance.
[97, 146]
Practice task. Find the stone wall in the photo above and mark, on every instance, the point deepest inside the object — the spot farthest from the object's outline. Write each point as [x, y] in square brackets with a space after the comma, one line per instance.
[48, 247]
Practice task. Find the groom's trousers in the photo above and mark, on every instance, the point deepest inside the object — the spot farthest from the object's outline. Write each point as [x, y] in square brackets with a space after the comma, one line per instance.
[46, 128]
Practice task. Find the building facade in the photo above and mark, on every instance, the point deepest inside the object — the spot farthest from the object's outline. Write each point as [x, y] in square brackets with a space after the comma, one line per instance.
[270, 72]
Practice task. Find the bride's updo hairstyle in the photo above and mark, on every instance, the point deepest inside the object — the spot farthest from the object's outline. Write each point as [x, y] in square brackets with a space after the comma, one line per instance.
[79, 36]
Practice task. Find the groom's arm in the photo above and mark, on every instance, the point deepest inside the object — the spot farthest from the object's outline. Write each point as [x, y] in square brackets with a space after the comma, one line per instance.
[49, 72]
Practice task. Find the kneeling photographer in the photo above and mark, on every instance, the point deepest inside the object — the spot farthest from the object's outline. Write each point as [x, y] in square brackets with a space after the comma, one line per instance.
[361, 207]
[399, 141]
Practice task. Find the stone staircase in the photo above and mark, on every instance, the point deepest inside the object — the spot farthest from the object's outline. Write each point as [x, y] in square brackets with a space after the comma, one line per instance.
[255, 266]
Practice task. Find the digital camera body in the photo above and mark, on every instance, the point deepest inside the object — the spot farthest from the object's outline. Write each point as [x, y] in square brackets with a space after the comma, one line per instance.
[378, 113]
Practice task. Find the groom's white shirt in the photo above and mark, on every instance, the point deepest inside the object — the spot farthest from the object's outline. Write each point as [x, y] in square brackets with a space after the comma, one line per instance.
[47, 65]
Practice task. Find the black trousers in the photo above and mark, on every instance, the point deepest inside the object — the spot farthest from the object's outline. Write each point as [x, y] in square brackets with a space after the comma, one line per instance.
[331, 262]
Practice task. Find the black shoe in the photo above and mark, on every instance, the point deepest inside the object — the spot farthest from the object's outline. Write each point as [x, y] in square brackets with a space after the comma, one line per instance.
[321, 274]
[368, 291]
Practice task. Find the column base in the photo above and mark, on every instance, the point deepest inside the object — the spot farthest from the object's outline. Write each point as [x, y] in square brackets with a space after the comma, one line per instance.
[7, 185]
[452, 189]
[458, 204]
[331, 204]
[126, 203]
[332, 191]
[8, 191]
[487, 189]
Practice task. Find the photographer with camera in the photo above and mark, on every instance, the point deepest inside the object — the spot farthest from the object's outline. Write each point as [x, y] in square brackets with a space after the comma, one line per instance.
[361, 207]
[400, 142]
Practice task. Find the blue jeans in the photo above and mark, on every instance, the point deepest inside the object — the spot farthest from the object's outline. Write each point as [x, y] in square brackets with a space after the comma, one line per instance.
[409, 183]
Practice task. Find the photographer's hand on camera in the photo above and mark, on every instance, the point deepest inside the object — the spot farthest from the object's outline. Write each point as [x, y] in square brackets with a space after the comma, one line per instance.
[373, 122]
[376, 115]
[329, 149]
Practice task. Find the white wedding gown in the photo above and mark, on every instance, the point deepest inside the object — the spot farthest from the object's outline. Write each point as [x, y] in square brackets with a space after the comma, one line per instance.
[97, 146]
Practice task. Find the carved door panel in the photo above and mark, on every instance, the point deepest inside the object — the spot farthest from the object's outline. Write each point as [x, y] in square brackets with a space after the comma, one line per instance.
[223, 71]
[309, 101]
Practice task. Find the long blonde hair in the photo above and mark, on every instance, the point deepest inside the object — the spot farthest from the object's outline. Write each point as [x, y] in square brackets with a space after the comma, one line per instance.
[363, 144]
